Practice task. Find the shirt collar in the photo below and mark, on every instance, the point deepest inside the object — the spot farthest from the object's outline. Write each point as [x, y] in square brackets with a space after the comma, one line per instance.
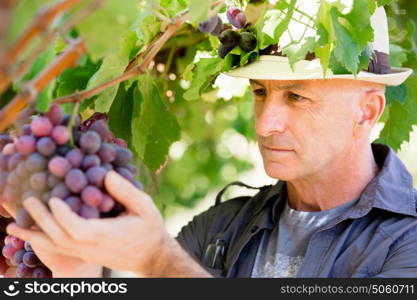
[391, 190]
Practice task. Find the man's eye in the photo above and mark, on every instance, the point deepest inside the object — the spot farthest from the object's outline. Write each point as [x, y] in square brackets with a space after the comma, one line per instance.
[260, 92]
[296, 97]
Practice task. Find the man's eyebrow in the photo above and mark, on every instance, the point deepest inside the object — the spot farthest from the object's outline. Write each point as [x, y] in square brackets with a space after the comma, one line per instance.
[292, 86]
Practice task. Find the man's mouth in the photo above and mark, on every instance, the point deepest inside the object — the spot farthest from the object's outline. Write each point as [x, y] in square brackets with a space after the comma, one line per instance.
[277, 149]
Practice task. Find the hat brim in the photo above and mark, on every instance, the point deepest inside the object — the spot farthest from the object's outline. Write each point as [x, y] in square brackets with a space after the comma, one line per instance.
[272, 67]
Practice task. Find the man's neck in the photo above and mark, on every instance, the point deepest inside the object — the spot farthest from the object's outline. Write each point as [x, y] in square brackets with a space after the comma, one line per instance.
[342, 182]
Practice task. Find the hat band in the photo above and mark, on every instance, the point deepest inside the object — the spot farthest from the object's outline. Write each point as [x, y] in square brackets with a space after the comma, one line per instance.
[378, 64]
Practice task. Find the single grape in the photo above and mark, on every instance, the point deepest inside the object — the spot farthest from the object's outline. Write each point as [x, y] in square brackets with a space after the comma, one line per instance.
[74, 203]
[14, 160]
[21, 170]
[28, 247]
[125, 173]
[101, 127]
[89, 212]
[60, 135]
[75, 157]
[41, 272]
[35, 162]
[23, 271]
[123, 157]
[229, 38]
[9, 149]
[90, 160]
[16, 242]
[26, 144]
[18, 257]
[107, 204]
[209, 25]
[30, 259]
[132, 169]
[46, 146]
[91, 196]
[53, 181]
[41, 126]
[120, 142]
[23, 219]
[107, 166]
[8, 251]
[60, 191]
[39, 181]
[107, 153]
[95, 176]
[55, 114]
[59, 166]
[247, 41]
[76, 180]
[218, 29]
[90, 142]
[236, 17]
[223, 50]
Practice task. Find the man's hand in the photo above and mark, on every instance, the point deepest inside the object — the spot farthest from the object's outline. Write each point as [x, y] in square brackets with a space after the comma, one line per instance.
[136, 241]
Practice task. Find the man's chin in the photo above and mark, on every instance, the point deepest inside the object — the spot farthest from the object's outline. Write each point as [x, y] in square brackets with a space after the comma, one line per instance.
[279, 171]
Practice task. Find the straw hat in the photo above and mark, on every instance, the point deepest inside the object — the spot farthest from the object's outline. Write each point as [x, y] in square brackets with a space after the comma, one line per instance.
[276, 67]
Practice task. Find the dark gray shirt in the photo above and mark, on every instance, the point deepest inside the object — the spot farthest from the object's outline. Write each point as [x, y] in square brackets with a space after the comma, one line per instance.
[282, 250]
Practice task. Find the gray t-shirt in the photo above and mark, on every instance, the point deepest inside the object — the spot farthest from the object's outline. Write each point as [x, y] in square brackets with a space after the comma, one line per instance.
[282, 250]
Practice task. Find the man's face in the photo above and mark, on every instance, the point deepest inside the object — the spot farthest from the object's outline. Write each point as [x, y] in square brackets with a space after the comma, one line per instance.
[304, 127]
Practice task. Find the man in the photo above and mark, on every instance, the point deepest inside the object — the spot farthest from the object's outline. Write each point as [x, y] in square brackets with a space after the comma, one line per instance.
[342, 207]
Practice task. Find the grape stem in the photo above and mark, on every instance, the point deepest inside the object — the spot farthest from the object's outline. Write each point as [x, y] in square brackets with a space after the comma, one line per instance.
[71, 122]
[39, 24]
[30, 91]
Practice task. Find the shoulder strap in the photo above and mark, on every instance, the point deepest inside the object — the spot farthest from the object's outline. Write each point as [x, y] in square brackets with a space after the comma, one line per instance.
[238, 183]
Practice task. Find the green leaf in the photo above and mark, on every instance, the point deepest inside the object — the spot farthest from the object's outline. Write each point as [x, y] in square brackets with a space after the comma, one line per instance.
[148, 27]
[115, 17]
[398, 55]
[383, 2]
[113, 65]
[298, 51]
[401, 117]
[120, 114]
[397, 93]
[346, 50]
[199, 10]
[204, 70]
[154, 127]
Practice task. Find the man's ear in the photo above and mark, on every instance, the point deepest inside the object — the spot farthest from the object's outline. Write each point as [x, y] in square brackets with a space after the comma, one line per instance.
[372, 106]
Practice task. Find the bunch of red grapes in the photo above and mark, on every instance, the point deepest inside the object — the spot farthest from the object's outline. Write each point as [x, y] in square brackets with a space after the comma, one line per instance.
[51, 158]
[228, 37]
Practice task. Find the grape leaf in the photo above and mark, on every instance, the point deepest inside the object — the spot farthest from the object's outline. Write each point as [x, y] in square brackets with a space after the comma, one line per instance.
[205, 68]
[398, 56]
[298, 51]
[397, 93]
[383, 2]
[360, 21]
[346, 50]
[401, 117]
[199, 10]
[113, 65]
[154, 127]
[148, 27]
[115, 18]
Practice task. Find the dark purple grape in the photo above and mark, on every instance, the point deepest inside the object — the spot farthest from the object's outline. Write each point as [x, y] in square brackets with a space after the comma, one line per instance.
[60, 135]
[90, 160]
[95, 176]
[223, 50]
[23, 219]
[75, 157]
[41, 126]
[125, 173]
[107, 153]
[137, 184]
[74, 203]
[53, 181]
[123, 157]
[90, 142]
[218, 29]
[209, 25]
[55, 114]
[59, 166]
[247, 41]
[18, 257]
[60, 191]
[76, 180]
[101, 127]
[132, 169]
[41, 272]
[26, 144]
[89, 212]
[23, 271]
[14, 160]
[30, 259]
[39, 181]
[35, 162]
[46, 146]
[107, 204]
[26, 129]
[229, 38]
[27, 246]
[107, 166]
[92, 196]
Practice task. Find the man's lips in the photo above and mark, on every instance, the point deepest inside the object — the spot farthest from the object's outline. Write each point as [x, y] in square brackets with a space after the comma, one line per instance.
[277, 149]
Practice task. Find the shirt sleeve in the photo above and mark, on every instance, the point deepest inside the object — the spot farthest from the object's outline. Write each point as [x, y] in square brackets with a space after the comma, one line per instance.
[402, 257]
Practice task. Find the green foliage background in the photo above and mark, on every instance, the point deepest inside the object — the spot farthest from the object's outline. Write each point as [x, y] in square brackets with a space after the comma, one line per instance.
[177, 102]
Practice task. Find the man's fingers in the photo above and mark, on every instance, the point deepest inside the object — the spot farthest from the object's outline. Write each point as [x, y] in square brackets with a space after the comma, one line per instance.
[11, 208]
[44, 219]
[127, 194]
[76, 227]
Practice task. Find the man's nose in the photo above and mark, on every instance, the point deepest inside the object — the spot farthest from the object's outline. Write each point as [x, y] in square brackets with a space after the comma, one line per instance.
[271, 119]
